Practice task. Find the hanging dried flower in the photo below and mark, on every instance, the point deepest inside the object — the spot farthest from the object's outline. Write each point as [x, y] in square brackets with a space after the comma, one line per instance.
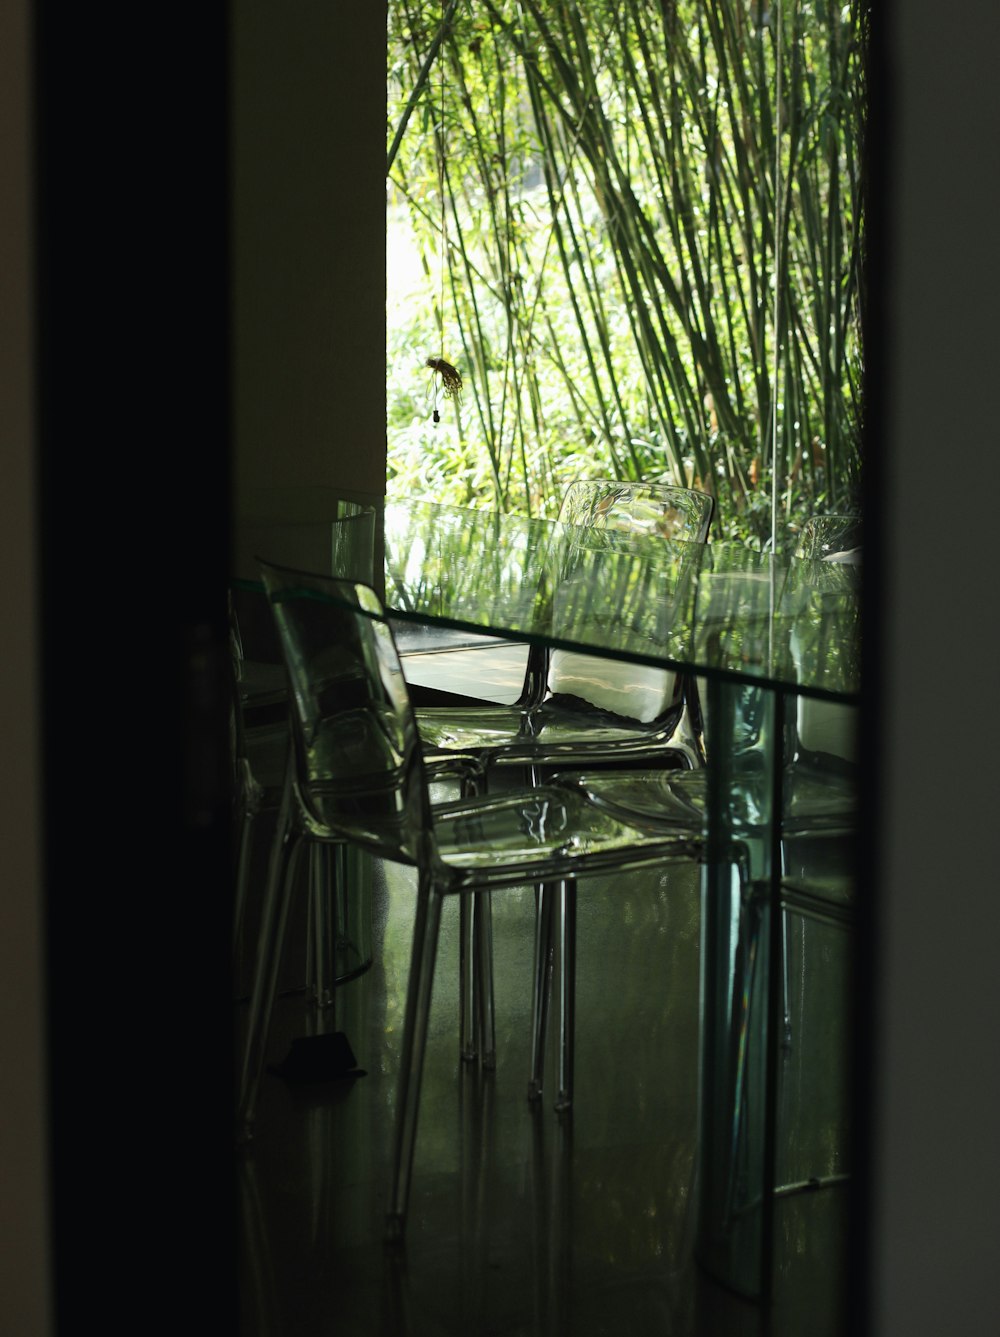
[451, 377]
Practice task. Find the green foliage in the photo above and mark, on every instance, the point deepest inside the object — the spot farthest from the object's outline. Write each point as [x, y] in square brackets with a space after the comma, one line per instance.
[591, 190]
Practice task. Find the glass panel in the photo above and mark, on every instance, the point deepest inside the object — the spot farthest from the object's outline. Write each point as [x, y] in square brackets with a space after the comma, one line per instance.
[759, 630]
[736, 931]
[776, 621]
[500, 573]
[775, 1041]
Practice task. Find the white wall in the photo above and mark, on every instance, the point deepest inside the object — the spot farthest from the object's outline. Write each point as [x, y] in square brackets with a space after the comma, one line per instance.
[308, 209]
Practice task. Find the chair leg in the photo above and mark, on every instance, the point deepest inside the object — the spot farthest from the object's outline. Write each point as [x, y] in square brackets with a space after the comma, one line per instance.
[786, 987]
[744, 973]
[544, 903]
[468, 937]
[326, 876]
[312, 947]
[418, 1006]
[468, 1033]
[270, 941]
[250, 802]
[242, 882]
[566, 910]
[483, 931]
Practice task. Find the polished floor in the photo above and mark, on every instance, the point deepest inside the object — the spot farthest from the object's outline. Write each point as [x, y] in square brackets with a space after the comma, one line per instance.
[524, 1223]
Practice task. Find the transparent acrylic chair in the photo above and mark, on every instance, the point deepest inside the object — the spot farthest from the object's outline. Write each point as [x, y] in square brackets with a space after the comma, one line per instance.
[831, 538]
[579, 710]
[819, 822]
[360, 778]
[263, 767]
[485, 668]
[338, 921]
[826, 733]
[258, 743]
[818, 833]
[675, 802]
[574, 710]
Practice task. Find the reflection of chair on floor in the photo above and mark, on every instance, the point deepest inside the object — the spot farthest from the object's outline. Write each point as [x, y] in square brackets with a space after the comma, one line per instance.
[360, 778]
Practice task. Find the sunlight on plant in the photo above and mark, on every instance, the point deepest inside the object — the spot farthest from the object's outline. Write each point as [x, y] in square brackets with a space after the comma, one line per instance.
[581, 219]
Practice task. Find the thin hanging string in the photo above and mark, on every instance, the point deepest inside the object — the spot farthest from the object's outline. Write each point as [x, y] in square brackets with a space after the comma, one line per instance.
[444, 209]
[777, 279]
[451, 377]
[772, 593]
[444, 241]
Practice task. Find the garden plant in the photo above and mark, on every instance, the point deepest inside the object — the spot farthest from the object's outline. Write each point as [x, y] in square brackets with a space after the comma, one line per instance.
[639, 228]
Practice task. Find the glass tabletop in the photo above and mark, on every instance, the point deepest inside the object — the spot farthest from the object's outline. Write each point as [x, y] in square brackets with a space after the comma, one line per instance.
[717, 609]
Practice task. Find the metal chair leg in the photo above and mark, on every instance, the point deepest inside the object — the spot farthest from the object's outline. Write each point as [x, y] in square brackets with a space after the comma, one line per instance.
[483, 925]
[250, 804]
[326, 881]
[786, 987]
[418, 1007]
[566, 910]
[270, 942]
[468, 1030]
[544, 903]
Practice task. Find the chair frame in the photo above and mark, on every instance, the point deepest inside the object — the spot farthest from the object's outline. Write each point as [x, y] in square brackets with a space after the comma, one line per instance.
[674, 739]
[472, 870]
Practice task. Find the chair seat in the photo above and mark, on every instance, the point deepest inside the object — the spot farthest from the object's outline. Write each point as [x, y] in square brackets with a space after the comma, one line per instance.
[646, 797]
[472, 729]
[679, 799]
[548, 831]
[548, 735]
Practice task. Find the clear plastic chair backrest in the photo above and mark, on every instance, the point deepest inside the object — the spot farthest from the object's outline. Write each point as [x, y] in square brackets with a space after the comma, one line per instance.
[237, 730]
[826, 730]
[343, 547]
[352, 544]
[629, 690]
[359, 771]
[825, 537]
[656, 509]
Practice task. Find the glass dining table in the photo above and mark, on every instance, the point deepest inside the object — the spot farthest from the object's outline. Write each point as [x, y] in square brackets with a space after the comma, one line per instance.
[769, 639]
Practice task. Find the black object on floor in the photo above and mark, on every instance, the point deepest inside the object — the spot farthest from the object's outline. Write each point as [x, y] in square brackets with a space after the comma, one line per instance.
[318, 1058]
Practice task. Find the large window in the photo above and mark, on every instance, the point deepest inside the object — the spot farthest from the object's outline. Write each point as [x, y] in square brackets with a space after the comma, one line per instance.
[637, 235]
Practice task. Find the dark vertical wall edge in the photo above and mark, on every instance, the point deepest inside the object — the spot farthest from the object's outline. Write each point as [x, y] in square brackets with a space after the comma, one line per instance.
[134, 475]
[930, 1181]
[878, 131]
